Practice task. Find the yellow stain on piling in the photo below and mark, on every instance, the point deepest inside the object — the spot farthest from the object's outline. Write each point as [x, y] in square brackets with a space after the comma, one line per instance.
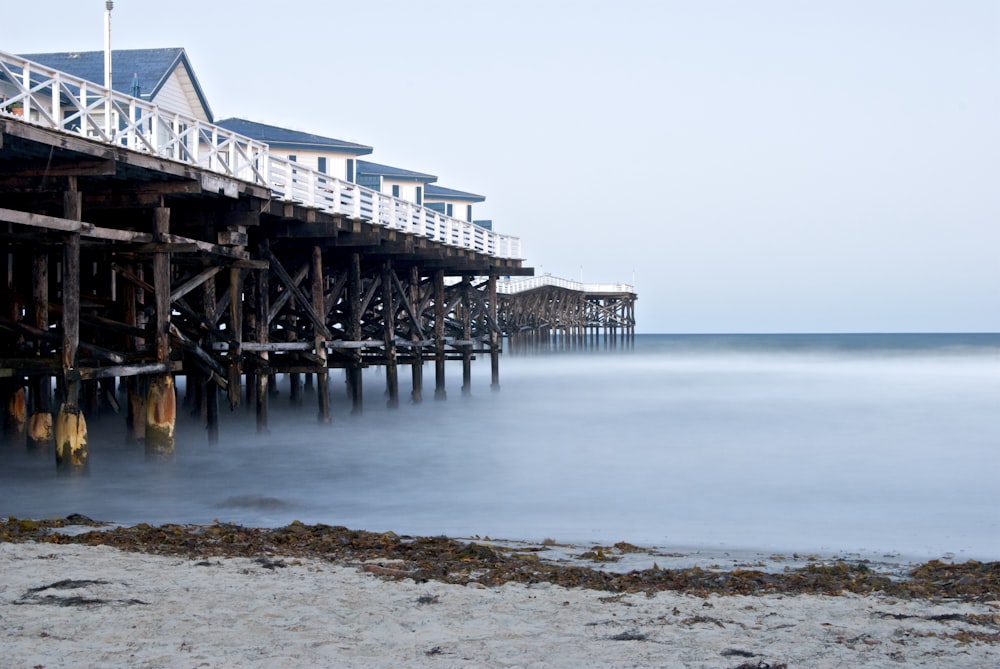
[161, 416]
[71, 438]
[17, 411]
[40, 427]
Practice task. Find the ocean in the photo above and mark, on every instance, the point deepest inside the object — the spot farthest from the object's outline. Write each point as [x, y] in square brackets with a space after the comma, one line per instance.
[871, 444]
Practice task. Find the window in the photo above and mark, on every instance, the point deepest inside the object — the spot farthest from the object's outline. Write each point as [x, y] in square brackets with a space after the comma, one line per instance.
[468, 213]
[395, 190]
[321, 164]
[350, 170]
[291, 157]
[449, 210]
[420, 194]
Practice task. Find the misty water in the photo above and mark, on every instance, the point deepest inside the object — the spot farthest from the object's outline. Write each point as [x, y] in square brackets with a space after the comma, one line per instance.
[825, 443]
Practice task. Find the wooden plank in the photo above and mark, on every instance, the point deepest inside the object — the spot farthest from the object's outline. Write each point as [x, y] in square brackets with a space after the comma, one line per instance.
[40, 220]
[253, 346]
[278, 304]
[192, 283]
[124, 370]
[82, 168]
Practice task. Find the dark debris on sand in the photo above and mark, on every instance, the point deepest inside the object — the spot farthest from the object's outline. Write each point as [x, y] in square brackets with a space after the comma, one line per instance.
[452, 561]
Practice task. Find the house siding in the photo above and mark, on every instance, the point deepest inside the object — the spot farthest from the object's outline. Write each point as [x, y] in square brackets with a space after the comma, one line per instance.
[336, 163]
[172, 96]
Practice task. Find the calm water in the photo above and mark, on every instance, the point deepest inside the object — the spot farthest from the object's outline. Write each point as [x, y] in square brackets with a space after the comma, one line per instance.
[871, 443]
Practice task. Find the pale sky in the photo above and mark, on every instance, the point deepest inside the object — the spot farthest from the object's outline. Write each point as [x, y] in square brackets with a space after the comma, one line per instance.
[756, 166]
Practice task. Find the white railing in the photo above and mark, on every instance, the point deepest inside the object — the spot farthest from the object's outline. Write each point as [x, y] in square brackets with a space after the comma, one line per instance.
[54, 99]
[508, 286]
[293, 182]
[57, 100]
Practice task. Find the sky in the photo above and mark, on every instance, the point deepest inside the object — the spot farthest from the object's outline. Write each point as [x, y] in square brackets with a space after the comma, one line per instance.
[751, 166]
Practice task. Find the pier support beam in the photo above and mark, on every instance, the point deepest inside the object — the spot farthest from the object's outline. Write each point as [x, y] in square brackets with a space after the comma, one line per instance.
[263, 373]
[417, 366]
[40, 423]
[389, 336]
[161, 402]
[319, 306]
[439, 390]
[161, 416]
[466, 336]
[235, 357]
[354, 377]
[71, 425]
[491, 323]
[211, 388]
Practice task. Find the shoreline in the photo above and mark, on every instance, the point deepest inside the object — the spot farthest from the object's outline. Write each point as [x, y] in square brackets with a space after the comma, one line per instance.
[151, 601]
[621, 567]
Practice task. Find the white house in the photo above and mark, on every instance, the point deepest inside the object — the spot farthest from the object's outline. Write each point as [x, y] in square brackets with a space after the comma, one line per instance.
[395, 181]
[451, 202]
[324, 154]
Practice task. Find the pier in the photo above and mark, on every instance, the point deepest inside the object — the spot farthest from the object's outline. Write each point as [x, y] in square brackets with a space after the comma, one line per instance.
[140, 243]
[549, 313]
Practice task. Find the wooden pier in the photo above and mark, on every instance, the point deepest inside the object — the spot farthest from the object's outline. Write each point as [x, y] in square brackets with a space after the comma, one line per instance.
[123, 267]
[550, 313]
[140, 243]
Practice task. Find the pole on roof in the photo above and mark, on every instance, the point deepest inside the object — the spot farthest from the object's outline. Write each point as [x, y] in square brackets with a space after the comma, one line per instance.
[108, 6]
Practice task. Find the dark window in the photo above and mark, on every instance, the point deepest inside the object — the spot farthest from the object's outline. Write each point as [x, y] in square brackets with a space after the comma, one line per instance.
[321, 164]
[449, 210]
[350, 170]
[420, 194]
[468, 213]
[395, 190]
[291, 158]
[372, 181]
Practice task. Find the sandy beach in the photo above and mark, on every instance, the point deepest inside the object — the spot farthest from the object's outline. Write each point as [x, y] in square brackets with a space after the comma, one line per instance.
[81, 605]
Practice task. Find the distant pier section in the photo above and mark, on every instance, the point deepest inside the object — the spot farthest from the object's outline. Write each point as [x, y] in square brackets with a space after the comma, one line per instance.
[548, 312]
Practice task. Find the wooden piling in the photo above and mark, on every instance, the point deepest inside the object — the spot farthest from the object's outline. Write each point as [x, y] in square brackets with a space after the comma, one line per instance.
[439, 342]
[417, 366]
[161, 416]
[70, 425]
[71, 439]
[161, 400]
[389, 337]
[40, 434]
[466, 336]
[494, 335]
[263, 303]
[354, 377]
[319, 306]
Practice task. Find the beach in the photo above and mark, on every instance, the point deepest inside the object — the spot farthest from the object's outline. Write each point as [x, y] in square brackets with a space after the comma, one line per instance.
[198, 597]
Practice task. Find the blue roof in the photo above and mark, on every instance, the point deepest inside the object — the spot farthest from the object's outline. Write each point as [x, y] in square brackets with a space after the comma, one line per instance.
[152, 67]
[433, 192]
[290, 139]
[374, 169]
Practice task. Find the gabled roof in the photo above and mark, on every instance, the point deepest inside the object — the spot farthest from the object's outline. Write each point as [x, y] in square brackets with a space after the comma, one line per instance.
[152, 67]
[374, 169]
[433, 192]
[291, 139]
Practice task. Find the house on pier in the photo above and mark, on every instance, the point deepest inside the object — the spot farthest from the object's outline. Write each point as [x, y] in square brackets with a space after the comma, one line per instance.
[395, 181]
[453, 203]
[335, 157]
[163, 77]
